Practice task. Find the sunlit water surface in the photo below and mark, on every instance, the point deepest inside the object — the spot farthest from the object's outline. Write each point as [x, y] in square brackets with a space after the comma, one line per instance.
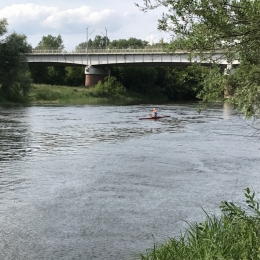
[94, 182]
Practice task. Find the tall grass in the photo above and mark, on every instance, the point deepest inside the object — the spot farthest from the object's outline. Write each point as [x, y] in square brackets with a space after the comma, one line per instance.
[102, 93]
[59, 94]
[109, 91]
[235, 235]
[45, 94]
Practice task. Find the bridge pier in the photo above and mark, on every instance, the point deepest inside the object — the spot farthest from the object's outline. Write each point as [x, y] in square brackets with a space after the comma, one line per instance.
[93, 75]
[229, 70]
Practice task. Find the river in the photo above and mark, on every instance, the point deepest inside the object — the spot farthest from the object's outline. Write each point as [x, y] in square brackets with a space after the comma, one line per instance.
[94, 182]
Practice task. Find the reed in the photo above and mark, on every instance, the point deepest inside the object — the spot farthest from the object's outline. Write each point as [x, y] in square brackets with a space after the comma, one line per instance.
[234, 235]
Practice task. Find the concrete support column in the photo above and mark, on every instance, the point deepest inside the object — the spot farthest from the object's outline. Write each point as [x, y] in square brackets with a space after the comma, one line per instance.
[93, 75]
[229, 70]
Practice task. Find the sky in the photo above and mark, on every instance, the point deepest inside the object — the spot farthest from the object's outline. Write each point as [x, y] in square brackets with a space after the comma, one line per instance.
[77, 20]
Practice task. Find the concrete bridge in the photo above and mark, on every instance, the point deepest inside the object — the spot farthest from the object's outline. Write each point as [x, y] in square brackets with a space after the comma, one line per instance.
[99, 61]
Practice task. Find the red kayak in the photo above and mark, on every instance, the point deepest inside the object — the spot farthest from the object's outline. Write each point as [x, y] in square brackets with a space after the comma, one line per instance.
[153, 117]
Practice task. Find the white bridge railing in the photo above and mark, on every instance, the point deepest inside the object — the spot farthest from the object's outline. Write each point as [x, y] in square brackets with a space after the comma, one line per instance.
[94, 57]
[101, 51]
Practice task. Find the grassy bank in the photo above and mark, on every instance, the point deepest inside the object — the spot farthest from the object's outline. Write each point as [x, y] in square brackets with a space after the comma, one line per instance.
[235, 235]
[51, 94]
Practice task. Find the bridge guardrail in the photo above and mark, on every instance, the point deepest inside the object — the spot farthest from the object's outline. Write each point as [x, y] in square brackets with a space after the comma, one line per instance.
[98, 51]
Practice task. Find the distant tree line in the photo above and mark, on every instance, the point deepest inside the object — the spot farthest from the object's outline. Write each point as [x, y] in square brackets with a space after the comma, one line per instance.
[173, 83]
[16, 76]
[197, 26]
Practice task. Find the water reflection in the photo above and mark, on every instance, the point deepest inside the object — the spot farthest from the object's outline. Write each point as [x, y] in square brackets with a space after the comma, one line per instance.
[46, 130]
[14, 133]
[95, 182]
[227, 111]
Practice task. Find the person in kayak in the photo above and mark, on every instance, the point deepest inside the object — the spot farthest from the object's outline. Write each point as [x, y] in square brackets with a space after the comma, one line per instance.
[155, 112]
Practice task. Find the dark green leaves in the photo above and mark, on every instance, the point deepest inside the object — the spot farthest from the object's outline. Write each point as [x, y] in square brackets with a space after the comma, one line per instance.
[14, 77]
[207, 26]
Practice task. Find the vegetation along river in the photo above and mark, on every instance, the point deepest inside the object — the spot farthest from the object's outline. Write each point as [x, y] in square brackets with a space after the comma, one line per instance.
[94, 182]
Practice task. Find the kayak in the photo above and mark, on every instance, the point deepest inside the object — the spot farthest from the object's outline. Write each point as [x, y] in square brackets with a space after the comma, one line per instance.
[153, 117]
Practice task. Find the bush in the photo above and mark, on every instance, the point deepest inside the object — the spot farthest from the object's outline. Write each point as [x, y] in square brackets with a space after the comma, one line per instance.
[111, 88]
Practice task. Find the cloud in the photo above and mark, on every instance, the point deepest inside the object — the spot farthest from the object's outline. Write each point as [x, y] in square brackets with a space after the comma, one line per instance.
[53, 19]
[70, 19]
[24, 13]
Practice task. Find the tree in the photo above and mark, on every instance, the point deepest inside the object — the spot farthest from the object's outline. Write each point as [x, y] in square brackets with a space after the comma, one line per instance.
[50, 41]
[110, 88]
[229, 26]
[130, 43]
[98, 42]
[81, 47]
[3, 26]
[180, 83]
[137, 79]
[15, 81]
[49, 75]
[75, 76]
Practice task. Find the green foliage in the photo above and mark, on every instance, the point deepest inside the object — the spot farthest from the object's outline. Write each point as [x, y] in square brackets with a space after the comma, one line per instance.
[75, 76]
[233, 235]
[49, 42]
[3, 26]
[57, 75]
[244, 86]
[181, 83]
[213, 85]
[208, 26]
[14, 77]
[59, 94]
[51, 74]
[102, 42]
[46, 94]
[158, 82]
[98, 42]
[110, 88]
[137, 79]
[131, 43]
[39, 73]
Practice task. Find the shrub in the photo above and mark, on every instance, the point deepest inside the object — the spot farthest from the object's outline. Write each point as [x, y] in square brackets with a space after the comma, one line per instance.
[111, 88]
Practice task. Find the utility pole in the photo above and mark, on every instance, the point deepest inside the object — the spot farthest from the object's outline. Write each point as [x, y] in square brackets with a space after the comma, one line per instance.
[106, 37]
[87, 44]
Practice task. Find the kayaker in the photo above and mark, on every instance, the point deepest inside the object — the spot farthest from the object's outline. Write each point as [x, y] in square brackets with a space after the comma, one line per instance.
[155, 112]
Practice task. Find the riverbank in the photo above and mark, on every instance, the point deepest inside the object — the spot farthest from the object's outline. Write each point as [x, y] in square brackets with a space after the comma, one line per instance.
[51, 94]
[233, 235]
[42, 94]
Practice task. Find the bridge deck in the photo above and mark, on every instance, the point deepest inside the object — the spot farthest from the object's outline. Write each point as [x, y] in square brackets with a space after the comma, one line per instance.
[120, 57]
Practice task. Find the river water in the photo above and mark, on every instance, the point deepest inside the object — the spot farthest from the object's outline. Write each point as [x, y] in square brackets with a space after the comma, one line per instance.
[94, 182]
